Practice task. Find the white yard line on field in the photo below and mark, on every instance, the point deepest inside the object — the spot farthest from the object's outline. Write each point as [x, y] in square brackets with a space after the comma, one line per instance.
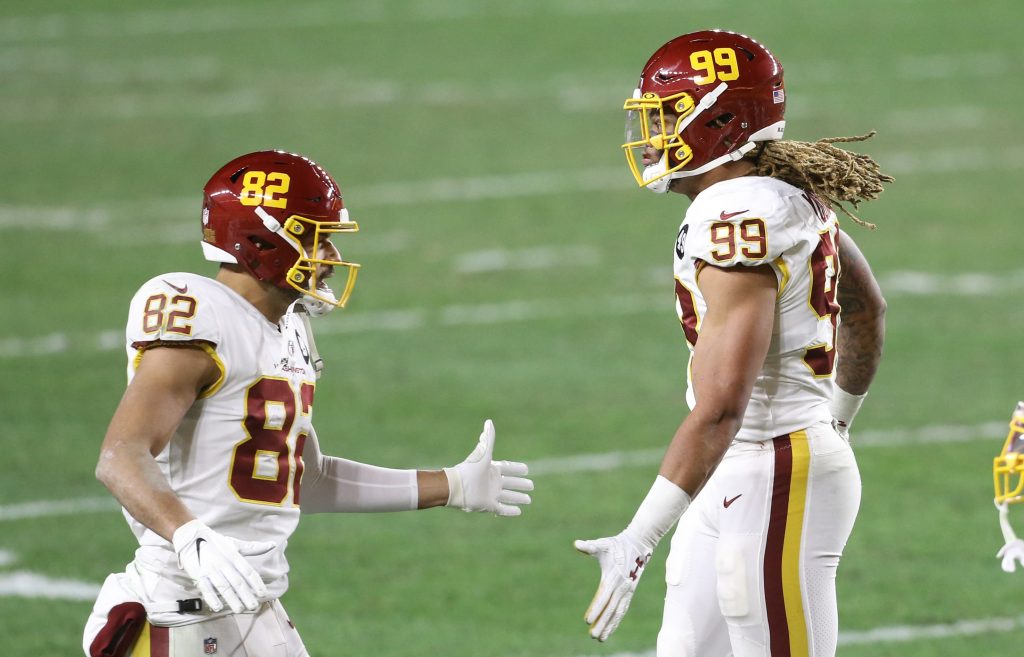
[242, 18]
[26, 584]
[519, 310]
[574, 464]
[951, 433]
[902, 633]
[537, 257]
[47, 508]
[146, 221]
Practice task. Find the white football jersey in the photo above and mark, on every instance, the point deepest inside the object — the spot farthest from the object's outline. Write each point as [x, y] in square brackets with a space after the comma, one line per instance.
[235, 459]
[752, 221]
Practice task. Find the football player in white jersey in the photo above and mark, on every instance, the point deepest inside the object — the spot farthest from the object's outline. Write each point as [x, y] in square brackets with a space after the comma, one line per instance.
[760, 474]
[212, 451]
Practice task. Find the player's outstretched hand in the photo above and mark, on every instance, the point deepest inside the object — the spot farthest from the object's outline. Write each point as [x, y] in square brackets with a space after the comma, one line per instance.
[218, 568]
[1012, 553]
[622, 559]
[482, 484]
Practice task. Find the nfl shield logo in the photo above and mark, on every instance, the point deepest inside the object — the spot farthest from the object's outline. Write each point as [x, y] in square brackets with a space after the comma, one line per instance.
[210, 646]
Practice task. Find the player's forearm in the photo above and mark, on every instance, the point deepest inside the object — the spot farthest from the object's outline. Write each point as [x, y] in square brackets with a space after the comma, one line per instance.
[342, 486]
[698, 446]
[859, 343]
[861, 333]
[135, 480]
[432, 486]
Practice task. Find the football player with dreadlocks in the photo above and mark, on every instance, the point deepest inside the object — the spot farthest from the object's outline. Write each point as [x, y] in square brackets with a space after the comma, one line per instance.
[760, 474]
[212, 447]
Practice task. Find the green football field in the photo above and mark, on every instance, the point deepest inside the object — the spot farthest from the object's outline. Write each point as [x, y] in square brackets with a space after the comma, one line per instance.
[511, 270]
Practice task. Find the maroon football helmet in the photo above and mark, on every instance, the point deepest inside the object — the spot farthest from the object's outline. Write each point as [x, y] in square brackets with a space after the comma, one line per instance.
[704, 98]
[272, 213]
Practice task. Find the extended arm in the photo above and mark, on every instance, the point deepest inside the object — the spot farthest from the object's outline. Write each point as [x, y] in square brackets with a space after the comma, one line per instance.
[333, 484]
[734, 339]
[861, 332]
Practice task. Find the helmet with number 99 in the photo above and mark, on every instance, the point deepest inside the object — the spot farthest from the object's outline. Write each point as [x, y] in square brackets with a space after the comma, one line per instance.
[704, 99]
[273, 213]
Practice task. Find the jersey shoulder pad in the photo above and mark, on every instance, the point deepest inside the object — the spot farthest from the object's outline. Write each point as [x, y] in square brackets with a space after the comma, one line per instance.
[745, 221]
[177, 307]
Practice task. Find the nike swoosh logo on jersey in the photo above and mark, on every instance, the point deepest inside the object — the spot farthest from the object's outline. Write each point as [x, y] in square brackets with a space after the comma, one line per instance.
[179, 290]
[727, 503]
[725, 216]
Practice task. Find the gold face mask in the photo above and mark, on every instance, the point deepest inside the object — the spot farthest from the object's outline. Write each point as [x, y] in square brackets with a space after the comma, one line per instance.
[1008, 467]
[647, 127]
[304, 275]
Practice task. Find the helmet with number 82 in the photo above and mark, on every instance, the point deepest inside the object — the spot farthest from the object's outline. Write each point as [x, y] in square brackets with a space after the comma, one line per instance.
[704, 99]
[273, 213]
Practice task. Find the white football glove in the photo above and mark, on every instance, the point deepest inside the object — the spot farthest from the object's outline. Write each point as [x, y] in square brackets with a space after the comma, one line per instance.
[1010, 553]
[480, 484]
[622, 559]
[217, 567]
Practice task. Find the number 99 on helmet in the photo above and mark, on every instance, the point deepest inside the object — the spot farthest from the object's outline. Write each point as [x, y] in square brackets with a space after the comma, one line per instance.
[704, 99]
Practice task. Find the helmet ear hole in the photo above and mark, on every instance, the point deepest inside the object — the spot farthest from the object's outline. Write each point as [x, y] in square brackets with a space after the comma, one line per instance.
[720, 121]
[260, 243]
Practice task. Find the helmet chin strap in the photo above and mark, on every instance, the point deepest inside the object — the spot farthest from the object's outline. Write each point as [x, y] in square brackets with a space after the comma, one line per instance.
[319, 307]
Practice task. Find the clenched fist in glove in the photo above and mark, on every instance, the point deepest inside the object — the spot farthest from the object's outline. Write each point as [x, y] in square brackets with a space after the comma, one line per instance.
[217, 566]
[481, 484]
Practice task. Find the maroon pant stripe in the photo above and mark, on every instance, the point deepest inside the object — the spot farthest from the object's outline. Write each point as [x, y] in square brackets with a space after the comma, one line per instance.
[159, 645]
[775, 603]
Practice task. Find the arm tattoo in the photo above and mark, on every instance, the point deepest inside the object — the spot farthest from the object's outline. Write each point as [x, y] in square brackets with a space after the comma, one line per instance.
[862, 320]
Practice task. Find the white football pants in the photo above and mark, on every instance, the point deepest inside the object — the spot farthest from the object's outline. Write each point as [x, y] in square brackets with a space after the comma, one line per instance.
[752, 568]
[267, 632]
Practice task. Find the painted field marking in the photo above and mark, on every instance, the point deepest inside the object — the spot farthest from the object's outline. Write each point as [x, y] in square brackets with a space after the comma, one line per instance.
[943, 433]
[902, 633]
[537, 257]
[571, 465]
[913, 283]
[28, 584]
[119, 223]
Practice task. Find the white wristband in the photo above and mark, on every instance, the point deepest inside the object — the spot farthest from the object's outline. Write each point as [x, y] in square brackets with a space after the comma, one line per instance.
[844, 406]
[456, 495]
[662, 507]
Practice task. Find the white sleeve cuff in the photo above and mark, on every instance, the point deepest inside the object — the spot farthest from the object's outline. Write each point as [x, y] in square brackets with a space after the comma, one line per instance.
[662, 507]
[844, 406]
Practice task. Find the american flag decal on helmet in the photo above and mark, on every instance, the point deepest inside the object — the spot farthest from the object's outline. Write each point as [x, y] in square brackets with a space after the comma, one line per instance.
[778, 96]
[210, 646]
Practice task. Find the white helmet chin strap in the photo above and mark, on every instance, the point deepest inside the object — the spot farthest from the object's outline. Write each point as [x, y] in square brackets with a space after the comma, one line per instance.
[319, 307]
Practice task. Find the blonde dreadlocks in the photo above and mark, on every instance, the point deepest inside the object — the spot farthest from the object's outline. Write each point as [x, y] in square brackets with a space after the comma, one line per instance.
[833, 174]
